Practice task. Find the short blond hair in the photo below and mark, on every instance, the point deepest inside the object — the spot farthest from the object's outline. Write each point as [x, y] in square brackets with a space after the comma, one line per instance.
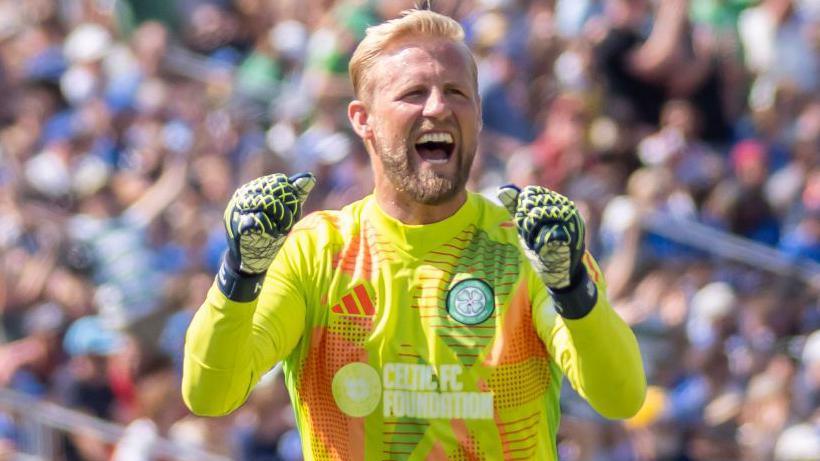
[410, 23]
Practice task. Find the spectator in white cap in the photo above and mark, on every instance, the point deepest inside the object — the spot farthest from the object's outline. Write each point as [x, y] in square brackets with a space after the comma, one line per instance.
[800, 442]
[710, 305]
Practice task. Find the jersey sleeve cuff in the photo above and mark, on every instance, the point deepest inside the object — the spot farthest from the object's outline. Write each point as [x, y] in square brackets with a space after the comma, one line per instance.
[578, 299]
[238, 286]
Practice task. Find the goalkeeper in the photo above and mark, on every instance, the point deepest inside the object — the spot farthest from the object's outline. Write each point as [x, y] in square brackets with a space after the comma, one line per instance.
[423, 321]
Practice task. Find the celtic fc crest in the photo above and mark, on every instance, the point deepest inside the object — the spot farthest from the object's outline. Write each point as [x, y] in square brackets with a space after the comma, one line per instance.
[470, 301]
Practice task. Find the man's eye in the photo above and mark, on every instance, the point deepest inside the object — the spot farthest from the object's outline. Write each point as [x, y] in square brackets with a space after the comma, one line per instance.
[456, 92]
[413, 94]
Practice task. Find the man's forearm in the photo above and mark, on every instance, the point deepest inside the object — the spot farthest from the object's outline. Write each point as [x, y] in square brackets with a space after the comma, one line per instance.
[218, 371]
[600, 354]
[608, 363]
[229, 345]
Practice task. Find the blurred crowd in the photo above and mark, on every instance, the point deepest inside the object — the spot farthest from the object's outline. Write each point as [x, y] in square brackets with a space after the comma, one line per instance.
[126, 125]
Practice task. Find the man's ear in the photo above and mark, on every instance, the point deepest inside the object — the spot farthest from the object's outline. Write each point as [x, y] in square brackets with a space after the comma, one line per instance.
[359, 119]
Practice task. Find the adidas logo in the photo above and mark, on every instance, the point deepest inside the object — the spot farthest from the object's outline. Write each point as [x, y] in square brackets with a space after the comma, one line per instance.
[356, 302]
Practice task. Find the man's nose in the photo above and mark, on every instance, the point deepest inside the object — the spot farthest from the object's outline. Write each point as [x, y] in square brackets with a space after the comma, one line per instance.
[436, 105]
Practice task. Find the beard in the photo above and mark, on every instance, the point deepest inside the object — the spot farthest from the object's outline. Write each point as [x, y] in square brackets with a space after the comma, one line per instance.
[423, 185]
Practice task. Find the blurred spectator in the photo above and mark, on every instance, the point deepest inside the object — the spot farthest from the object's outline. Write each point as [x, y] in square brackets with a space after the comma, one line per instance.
[674, 60]
[807, 382]
[27, 363]
[212, 434]
[776, 42]
[7, 438]
[739, 204]
[804, 240]
[625, 60]
[504, 104]
[560, 152]
[678, 147]
[711, 310]
[798, 443]
[85, 383]
[158, 406]
[267, 430]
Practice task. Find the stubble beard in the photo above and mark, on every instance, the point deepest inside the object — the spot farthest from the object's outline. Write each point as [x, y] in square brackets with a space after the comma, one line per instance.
[423, 185]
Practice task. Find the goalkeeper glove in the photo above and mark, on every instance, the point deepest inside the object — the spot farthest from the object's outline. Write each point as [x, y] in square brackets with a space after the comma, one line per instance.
[257, 220]
[552, 233]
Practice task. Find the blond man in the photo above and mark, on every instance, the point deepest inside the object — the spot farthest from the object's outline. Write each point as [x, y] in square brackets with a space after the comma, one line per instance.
[421, 321]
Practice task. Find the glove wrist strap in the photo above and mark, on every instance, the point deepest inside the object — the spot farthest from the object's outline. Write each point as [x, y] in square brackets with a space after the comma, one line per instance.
[236, 285]
[577, 299]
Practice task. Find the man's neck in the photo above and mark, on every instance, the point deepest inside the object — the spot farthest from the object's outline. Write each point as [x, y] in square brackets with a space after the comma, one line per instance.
[400, 206]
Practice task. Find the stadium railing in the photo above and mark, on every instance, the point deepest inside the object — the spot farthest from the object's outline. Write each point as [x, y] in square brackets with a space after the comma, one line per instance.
[729, 246]
[39, 424]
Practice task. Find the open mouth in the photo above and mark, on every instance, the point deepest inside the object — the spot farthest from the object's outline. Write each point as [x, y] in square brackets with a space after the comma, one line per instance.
[435, 147]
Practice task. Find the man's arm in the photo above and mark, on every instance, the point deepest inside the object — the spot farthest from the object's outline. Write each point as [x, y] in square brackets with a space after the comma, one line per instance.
[230, 345]
[652, 59]
[594, 347]
[254, 313]
[161, 194]
[597, 352]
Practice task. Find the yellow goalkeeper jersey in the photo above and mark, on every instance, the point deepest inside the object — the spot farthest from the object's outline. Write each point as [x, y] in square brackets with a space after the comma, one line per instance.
[412, 342]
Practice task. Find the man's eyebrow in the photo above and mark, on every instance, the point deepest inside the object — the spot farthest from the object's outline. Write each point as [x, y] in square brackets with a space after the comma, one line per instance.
[457, 83]
[402, 82]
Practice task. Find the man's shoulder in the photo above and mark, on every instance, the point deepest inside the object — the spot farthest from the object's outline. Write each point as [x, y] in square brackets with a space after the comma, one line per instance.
[333, 222]
[493, 218]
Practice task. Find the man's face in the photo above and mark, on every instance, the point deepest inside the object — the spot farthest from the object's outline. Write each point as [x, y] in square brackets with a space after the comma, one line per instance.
[423, 114]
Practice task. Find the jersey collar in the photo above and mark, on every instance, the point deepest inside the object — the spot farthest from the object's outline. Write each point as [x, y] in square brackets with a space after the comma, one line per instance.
[418, 239]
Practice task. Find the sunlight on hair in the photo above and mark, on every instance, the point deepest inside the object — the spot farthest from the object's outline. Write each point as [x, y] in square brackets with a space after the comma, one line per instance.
[411, 22]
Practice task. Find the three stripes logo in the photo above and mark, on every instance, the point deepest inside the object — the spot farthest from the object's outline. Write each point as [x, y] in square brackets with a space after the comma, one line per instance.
[356, 302]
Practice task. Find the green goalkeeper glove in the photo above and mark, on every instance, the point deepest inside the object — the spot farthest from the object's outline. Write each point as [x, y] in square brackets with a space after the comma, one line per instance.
[257, 220]
[552, 233]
